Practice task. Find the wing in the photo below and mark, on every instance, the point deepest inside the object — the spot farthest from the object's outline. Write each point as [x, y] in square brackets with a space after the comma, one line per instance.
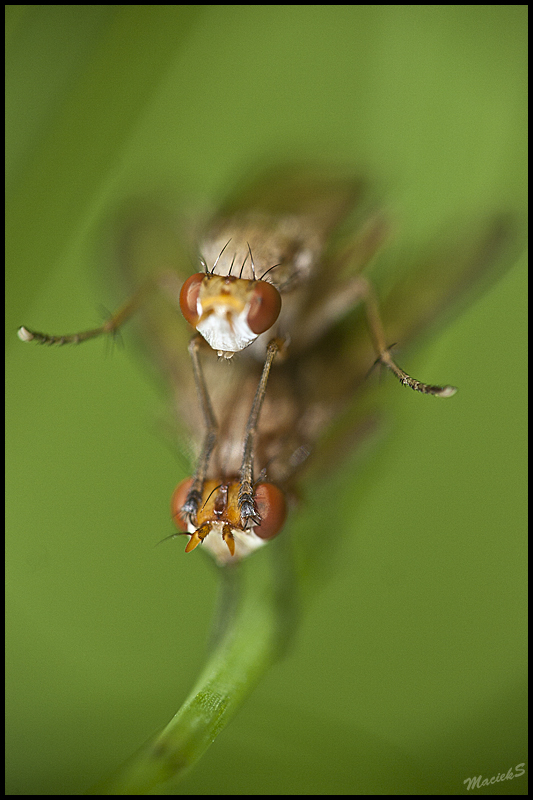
[433, 286]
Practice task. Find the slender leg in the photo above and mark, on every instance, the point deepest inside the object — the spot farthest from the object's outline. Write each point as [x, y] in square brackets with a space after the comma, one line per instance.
[190, 507]
[246, 496]
[110, 326]
[383, 352]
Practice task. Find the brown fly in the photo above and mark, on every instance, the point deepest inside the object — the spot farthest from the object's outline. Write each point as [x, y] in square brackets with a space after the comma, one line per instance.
[277, 300]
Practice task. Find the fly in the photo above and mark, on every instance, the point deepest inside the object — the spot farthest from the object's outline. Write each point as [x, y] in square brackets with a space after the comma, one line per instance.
[287, 256]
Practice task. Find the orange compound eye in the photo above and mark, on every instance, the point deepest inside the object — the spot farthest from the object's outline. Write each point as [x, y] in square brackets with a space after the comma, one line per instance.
[265, 306]
[189, 297]
[177, 500]
[272, 507]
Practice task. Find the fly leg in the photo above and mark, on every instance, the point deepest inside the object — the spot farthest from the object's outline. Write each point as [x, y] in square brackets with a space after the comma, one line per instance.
[247, 508]
[110, 326]
[384, 357]
[194, 495]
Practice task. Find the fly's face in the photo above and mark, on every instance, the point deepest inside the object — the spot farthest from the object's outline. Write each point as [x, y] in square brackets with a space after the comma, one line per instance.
[229, 312]
[217, 524]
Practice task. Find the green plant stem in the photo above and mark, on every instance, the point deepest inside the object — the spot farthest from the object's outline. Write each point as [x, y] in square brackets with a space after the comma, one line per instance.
[249, 637]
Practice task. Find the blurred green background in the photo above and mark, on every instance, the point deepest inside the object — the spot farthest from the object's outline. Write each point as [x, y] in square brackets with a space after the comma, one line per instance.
[407, 675]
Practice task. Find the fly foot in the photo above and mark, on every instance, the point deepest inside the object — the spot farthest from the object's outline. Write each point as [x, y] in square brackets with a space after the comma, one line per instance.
[247, 508]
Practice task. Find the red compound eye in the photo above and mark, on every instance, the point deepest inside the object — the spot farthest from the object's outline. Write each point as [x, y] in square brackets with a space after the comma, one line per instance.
[272, 507]
[178, 498]
[189, 297]
[265, 306]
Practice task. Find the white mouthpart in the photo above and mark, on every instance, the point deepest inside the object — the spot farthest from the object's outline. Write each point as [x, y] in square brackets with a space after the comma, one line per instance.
[225, 330]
